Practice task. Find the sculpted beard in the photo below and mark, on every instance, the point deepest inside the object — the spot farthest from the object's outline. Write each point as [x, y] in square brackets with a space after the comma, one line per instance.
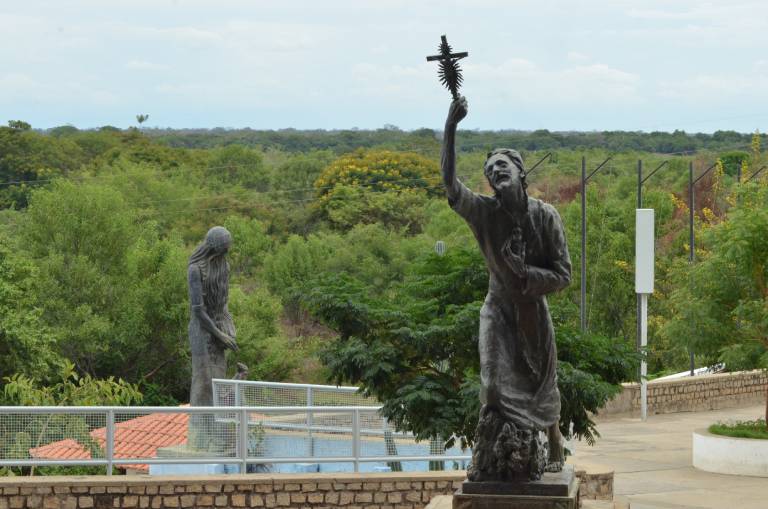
[513, 197]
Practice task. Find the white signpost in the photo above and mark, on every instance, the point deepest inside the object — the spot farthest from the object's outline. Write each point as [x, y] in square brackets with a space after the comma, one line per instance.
[644, 276]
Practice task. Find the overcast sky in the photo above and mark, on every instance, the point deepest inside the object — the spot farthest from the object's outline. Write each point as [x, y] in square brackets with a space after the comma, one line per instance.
[558, 65]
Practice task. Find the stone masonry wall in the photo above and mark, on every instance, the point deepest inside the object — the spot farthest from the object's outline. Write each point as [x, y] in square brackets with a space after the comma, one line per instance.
[322, 491]
[411, 490]
[707, 392]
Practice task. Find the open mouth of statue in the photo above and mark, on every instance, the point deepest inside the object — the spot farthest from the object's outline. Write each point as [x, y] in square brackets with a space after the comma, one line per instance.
[500, 178]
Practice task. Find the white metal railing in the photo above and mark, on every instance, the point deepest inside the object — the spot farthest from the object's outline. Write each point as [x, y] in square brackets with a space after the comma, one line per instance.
[240, 435]
[228, 392]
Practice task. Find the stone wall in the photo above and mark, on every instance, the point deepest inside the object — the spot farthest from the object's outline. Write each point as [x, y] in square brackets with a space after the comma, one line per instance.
[411, 490]
[706, 392]
[351, 491]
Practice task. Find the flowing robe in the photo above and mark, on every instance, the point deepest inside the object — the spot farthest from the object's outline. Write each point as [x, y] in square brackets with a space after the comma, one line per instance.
[518, 356]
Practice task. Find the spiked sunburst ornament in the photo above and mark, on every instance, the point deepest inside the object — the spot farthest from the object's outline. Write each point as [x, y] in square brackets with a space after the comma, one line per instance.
[449, 71]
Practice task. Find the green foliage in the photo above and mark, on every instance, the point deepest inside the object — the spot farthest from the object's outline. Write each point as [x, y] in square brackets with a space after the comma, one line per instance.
[743, 429]
[719, 304]
[426, 140]
[733, 160]
[415, 348]
[383, 187]
[109, 288]
[93, 258]
[581, 393]
[27, 157]
[251, 245]
[589, 371]
[268, 355]
[238, 165]
[71, 390]
[27, 345]
[293, 263]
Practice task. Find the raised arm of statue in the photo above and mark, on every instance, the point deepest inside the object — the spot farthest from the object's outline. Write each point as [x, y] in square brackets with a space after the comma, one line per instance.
[456, 113]
[198, 308]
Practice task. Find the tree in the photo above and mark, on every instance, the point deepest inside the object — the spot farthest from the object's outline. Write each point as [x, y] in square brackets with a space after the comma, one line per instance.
[720, 304]
[108, 287]
[377, 186]
[238, 165]
[415, 348]
[27, 344]
[251, 244]
[141, 118]
[28, 158]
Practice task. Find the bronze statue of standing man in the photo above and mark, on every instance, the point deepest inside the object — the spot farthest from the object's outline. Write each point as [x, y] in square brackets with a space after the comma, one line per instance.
[523, 242]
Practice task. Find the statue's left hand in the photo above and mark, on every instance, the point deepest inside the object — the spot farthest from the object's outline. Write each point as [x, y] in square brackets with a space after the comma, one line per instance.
[228, 342]
[515, 261]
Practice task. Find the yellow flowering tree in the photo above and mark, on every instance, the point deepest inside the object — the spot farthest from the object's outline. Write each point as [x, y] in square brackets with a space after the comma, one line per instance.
[378, 186]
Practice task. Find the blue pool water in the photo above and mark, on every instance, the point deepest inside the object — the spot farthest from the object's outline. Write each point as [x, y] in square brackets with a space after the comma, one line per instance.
[281, 445]
[276, 445]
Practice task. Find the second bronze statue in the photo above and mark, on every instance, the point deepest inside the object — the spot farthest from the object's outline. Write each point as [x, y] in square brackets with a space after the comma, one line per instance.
[523, 242]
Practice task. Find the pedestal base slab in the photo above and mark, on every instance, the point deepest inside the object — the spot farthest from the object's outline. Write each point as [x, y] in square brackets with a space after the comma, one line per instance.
[558, 490]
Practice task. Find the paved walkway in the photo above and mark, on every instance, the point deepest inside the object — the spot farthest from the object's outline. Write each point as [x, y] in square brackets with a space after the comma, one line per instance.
[652, 463]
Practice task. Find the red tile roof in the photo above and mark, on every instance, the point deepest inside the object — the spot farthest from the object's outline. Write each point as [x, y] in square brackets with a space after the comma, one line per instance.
[134, 439]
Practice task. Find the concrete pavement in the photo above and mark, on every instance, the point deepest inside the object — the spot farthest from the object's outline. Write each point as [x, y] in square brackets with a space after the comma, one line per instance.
[652, 463]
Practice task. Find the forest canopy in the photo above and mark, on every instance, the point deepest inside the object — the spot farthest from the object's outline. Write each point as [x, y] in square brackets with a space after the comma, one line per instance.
[333, 259]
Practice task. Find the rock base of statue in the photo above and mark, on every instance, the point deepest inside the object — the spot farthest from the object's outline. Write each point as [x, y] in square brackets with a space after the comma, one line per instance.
[557, 490]
[505, 452]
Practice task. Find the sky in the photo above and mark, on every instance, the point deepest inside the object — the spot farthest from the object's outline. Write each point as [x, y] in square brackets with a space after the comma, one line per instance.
[331, 64]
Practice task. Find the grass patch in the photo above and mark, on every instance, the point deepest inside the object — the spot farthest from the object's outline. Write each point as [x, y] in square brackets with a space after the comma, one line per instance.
[743, 429]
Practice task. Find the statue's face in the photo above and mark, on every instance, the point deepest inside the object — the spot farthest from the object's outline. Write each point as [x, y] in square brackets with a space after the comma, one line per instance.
[502, 173]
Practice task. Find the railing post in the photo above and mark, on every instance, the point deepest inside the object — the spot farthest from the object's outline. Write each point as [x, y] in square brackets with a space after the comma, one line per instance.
[310, 422]
[356, 438]
[238, 395]
[110, 443]
[242, 442]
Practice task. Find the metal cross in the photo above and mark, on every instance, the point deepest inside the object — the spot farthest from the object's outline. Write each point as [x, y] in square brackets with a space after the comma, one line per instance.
[450, 72]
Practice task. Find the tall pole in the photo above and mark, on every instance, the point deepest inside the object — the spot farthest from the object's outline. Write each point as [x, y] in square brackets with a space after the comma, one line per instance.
[583, 307]
[691, 204]
[643, 297]
[639, 205]
[691, 241]
[639, 298]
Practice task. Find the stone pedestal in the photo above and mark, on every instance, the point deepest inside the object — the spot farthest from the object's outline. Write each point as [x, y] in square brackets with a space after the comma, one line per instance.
[553, 491]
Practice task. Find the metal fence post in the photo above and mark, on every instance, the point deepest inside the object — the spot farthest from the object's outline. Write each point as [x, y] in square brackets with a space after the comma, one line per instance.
[691, 242]
[242, 445]
[356, 438]
[310, 421]
[110, 444]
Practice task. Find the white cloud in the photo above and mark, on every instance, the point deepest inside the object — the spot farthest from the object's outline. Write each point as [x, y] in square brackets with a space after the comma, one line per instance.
[716, 88]
[575, 56]
[143, 65]
[523, 80]
[339, 63]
